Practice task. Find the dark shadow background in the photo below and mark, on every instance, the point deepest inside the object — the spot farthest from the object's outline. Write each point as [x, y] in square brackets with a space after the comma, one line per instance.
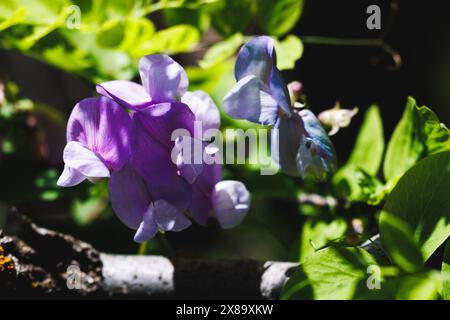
[349, 74]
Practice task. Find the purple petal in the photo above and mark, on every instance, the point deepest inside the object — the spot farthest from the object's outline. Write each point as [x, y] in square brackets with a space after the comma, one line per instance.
[231, 201]
[204, 109]
[152, 140]
[102, 126]
[168, 217]
[70, 177]
[202, 189]
[129, 195]
[190, 157]
[178, 192]
[286, 136]
[161, 120]
[316, 156]
[256, 58]
[163, 78]
[279, 91]
[250, 99]
[147, 228]
[84, 161]
[126, 93]
[152, 158]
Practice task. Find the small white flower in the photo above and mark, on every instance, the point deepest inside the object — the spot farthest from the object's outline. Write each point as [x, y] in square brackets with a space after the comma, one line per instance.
[337, 118]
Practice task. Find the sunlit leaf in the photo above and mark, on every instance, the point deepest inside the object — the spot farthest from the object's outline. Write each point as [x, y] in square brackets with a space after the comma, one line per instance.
[316, 233]
[278, 17]
[331, 273]
[231, 16]
[221, 51]
[173, 40]
[421, 199]
[289, 51]
[418, 134]
[366, 155]
[398, 240]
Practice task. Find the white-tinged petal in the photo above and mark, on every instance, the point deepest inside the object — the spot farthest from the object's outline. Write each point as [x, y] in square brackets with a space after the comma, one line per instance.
[148, 228]
[204, 109]
[189, 157]
[84, 160]
[70, 177]
[168, 217]
[163, 78]
[250, 99]
[231, 201]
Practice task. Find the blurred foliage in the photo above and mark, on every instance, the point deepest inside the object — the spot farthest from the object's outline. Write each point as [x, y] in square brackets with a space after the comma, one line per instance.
[406, 201]
[418, 134]
[102, 40]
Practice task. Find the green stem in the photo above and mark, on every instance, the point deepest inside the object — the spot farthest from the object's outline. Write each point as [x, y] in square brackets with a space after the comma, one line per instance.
[143, 248]
[341, 41]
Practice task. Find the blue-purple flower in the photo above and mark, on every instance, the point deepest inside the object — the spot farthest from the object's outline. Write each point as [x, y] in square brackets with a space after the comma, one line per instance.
[126, 136]
[300, 146]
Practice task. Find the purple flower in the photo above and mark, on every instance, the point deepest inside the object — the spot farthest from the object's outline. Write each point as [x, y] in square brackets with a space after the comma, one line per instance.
[127, 136]
[300, 146]
[260, 93]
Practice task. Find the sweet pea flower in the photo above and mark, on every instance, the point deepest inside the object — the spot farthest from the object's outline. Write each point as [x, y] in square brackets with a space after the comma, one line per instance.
[127, 136]
[300, 146]
[99, 134]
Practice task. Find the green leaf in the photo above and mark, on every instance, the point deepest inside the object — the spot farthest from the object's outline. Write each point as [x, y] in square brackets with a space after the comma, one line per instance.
[15, 18]
[367, 155]
[221, 51]
[176, 39]
[278, 17]
[231, 16]
[85, 212]
[422, 286]
[111, 33]
[418, 286]
[195, 17]
[446, 273]
[316, 234]
[331, 273]
[373, 191]
[418, 134]
[397, 238]
[70, 60]
[288, 52]
[138, 34]
[421, 199]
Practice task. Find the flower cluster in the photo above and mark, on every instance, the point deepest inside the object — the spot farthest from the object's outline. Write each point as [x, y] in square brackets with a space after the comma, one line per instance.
[300, 146]
[126, 135]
